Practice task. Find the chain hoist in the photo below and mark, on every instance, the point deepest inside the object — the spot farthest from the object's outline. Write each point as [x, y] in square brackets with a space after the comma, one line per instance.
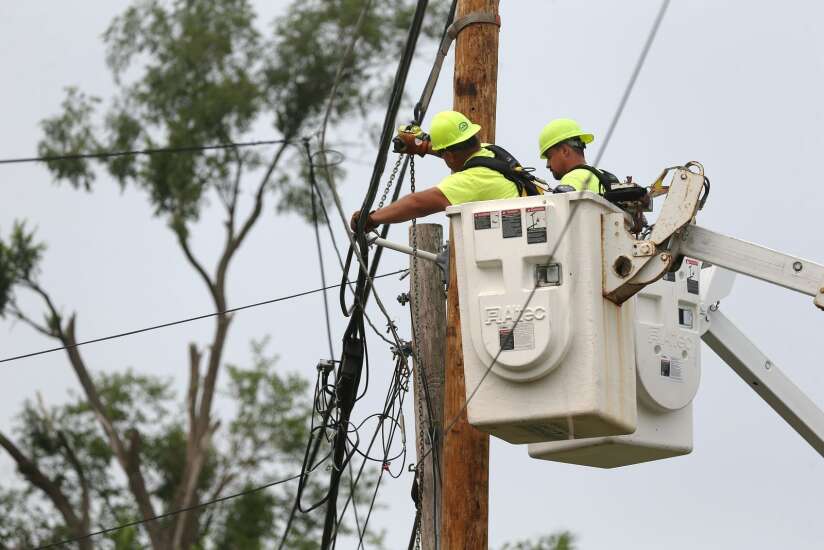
[419, 363]
[392, 177]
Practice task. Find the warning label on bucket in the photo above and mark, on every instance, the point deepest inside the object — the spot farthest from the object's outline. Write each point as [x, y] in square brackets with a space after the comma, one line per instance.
[536, 224]
[523, 337]
[671, 368]
[511, 223]
[487, 220]
[693, 270]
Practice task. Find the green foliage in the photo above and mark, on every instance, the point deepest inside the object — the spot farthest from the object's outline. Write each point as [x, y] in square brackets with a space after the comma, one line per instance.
[264, 441]
[20, 258]
[192, 73]
[249, 521]
[557, 541]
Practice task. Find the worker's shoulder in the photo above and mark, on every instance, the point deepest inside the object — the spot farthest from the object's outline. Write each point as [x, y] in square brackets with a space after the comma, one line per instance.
[580, 175]
[478, 170]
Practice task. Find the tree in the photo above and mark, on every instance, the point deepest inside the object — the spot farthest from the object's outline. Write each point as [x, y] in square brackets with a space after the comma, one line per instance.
[557, 541]
[186, 73]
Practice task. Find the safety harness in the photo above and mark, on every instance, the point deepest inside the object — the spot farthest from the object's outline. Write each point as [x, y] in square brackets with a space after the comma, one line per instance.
[508, 166]
[605, 179]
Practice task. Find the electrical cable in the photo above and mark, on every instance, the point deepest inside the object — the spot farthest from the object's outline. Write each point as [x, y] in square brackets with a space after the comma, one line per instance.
[172, 513]
[636, 71]
[152, 151]
[349, 373]
[186, 320]
[394, 393]
[313, 190]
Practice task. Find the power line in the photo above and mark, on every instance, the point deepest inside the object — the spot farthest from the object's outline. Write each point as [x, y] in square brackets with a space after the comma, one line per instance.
[631, 84]
[175, 512]
[186, 320]
[152, 151]
[314, 191]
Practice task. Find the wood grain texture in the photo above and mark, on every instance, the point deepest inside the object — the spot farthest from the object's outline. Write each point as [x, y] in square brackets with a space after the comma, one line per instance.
[431, 345]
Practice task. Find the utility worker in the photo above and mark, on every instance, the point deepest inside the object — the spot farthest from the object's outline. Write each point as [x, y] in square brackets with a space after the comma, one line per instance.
[454, 139]
[562, 144]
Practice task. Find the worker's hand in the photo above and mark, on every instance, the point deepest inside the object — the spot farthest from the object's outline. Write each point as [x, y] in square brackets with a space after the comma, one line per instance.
[353, 223]
[411, 140]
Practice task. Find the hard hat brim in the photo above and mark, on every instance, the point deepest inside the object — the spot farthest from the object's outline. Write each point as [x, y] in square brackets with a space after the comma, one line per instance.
[471, 131]
[586, 138]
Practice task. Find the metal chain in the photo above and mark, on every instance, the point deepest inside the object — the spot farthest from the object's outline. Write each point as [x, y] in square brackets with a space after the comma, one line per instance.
[391, 181]
[419, 364]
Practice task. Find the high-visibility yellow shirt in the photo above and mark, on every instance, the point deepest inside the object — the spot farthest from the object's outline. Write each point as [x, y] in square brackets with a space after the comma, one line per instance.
[581, 180]
[477, 184]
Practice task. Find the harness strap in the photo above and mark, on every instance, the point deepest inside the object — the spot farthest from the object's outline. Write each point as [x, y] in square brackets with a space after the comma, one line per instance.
[605, 179]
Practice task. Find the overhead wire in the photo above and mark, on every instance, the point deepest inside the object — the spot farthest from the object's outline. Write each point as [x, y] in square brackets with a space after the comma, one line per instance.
[350, 367]
[633, 78]
[172, 513]
[186, 320]
[313, 191]
[420, 108]
[149, 151]
[110, 154]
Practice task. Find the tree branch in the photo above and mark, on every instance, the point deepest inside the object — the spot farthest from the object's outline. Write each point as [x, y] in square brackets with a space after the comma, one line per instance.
[36, 477]
[129, 463]
[232, 209]
[253, 215]
[18, 314]
[84, 484]
[201, 432]
[184, 245]
[184, 523]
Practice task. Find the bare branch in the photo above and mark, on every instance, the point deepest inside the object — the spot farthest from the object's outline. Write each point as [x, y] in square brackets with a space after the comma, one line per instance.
[71, 457]
[81, 476]
[184, 245]
[18, 314]
[184, 521]
[194, 383]
[232, 208]
[253, 215]
[36, 477]
[128, 462]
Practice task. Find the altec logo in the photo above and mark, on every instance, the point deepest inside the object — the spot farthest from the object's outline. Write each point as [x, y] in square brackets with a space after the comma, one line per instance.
[508, 314]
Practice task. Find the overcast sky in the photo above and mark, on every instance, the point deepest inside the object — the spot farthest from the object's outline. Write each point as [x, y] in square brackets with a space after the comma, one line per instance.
[735, 85]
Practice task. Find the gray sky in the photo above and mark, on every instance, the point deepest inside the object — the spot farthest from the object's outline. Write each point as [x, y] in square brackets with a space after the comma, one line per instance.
[735, 85]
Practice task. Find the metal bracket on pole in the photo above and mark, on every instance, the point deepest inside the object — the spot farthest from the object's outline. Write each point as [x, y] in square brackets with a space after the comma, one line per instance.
[441, 259]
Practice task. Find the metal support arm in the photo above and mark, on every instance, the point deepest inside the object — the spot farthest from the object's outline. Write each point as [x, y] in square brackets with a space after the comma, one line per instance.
[761, 374]
[756, 261]
[441, 259]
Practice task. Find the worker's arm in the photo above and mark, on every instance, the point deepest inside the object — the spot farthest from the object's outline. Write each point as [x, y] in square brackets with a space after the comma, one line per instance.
[414, 205]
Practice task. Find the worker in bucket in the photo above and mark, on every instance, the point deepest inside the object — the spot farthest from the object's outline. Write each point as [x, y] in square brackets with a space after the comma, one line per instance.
[562, 143]
[481, 171]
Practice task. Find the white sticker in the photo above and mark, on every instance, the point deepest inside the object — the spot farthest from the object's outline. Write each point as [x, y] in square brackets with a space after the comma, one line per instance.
[671, 369]
[522, 339]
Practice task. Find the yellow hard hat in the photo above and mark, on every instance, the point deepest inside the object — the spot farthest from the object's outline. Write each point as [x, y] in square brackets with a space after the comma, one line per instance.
[449, 128]
[559, 130]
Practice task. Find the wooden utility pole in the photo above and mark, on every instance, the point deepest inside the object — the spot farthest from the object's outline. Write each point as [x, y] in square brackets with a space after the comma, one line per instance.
[466, 450]
[426, 289]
